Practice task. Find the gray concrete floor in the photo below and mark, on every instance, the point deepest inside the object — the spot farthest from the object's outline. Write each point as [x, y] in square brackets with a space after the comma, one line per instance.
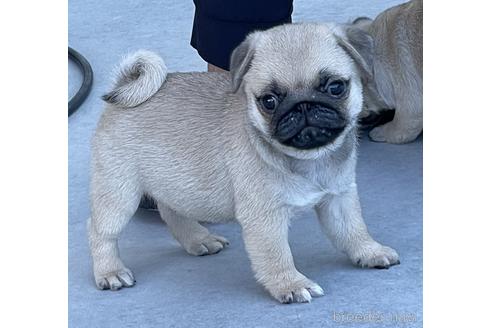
[178, 290]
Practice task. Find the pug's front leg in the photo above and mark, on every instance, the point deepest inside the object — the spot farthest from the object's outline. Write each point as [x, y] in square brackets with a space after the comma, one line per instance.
[341, 220]
[266, 241]
[405, 126]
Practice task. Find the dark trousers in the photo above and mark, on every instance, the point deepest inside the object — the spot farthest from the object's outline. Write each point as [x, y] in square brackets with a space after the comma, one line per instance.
[221, 25]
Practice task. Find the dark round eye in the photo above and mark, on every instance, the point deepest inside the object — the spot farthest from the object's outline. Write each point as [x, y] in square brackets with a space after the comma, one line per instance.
[269, 102]
[336, 88]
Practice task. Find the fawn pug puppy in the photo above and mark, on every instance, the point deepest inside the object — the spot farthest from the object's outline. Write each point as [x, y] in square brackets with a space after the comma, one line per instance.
[397, 70]
[279, 137]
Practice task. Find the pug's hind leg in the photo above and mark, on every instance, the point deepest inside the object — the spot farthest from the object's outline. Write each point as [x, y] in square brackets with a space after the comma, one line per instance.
[341, 220]
[113, 204]
[194, 237]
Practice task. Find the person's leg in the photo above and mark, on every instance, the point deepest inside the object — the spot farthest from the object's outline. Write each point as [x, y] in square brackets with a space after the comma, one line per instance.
[219, 29]
[213, 68]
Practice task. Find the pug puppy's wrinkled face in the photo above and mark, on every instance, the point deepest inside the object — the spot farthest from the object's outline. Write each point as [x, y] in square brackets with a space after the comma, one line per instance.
[306, 119]
[303, 86]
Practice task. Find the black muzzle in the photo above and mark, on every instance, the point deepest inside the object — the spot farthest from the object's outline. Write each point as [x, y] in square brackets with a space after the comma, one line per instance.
[309, 125]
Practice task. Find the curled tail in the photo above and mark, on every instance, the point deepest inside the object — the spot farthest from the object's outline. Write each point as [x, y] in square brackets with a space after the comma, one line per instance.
[138, 77]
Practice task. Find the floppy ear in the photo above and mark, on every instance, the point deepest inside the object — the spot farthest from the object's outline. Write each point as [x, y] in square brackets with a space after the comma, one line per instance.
[360, 46]
[240, 61]
[362, 22]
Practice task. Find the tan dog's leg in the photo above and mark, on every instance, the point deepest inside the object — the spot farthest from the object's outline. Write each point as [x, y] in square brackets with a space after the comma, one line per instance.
[194, 237]
[407, 123]
[113, 204]
[341, 220]
[267, 244]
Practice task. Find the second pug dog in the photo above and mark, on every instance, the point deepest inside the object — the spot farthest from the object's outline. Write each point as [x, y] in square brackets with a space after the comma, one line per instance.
[397, 66]
[281, 136]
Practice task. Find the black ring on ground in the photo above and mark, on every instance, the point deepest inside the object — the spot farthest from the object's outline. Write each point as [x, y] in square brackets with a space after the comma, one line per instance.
[85, 88]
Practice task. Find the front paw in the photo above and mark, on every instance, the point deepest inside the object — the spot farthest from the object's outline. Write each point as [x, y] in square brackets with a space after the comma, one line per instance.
[389, 132]
[115, 280]
[375, 256]
[301, 290]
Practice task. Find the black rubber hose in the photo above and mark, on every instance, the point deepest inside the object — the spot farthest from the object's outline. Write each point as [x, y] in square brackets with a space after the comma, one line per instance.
[85, 88]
